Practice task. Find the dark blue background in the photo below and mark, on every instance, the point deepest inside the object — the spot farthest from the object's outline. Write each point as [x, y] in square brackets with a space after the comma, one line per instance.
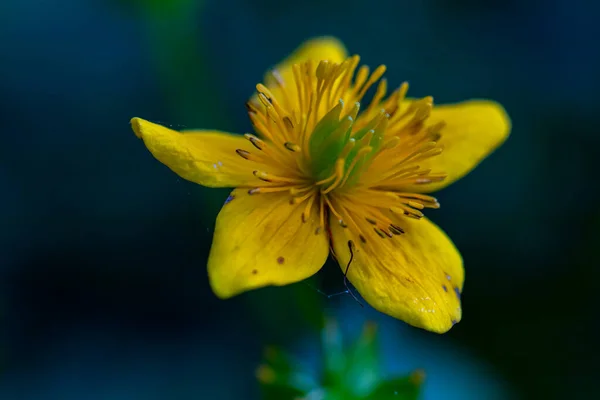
[103, 288]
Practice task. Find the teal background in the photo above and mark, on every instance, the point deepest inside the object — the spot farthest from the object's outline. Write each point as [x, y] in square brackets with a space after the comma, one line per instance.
[103, 288]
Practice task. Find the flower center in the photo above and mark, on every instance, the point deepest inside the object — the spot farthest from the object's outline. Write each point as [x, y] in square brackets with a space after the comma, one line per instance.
[319, 145]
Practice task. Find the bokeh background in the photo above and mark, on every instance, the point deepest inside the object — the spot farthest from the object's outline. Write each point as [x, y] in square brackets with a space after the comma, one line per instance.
[103, 287]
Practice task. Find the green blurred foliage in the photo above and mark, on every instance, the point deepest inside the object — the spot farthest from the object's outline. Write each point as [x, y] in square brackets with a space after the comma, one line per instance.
[161, 8]
[348, 372]
[177, 49]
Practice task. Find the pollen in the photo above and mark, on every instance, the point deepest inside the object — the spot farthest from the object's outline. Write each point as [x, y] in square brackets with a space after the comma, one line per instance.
[317, 143]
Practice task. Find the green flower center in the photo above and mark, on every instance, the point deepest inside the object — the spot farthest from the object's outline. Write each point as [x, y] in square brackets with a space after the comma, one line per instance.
[315, 146]
[339, 150]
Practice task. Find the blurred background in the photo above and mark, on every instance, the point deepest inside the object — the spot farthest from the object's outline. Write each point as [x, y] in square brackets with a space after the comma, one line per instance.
[103, 287]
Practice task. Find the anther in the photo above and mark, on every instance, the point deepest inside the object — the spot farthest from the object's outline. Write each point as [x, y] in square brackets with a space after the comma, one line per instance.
[254, 191]
[430, 179]
[407, 212]
[362, 238]
[255, 141]
[262, 89]
[380, 233]
[390, 143]
[292, 147]
[265, 100]
[396, 230]
[263, 176]
[243, 153]
[414, 204]
[288, 123]
[250, 108]
[342, 223]
[435, 137]
[371, 221]
[435, 128]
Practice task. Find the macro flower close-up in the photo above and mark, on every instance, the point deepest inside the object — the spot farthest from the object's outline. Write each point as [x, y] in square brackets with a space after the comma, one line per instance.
[317, 200]
[338, 160]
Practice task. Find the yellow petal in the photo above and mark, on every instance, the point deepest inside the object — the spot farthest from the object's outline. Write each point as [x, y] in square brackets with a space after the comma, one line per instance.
[473, 130]
[416, 277]
[208, 158]
[260, 240]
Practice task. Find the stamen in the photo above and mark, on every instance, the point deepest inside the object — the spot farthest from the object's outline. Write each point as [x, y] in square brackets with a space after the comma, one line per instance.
[431, 179]
[394, 102]
[278, 79]
[298, 200]
[311, 199]
[270, 156]
[378, 73]
[295, 191]
[396, 230]
[243, 153]
[339, 175]
[325, 181]
[292, 147]
[277, 179]
[390, 143]
[265, 95]
[379, 94]
[268, 189]
[414, 204]
[331, 208]
[372, 214]
[380, 233]
[361, 78]
[348, 67]
[347, 217]
[288, 124]
[259, 144]
[317, 142]
[402, 209]
[297, 79]
[321, 215]
[428, 201]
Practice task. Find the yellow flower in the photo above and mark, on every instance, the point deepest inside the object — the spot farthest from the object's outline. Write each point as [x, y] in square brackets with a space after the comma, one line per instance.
[325, 172]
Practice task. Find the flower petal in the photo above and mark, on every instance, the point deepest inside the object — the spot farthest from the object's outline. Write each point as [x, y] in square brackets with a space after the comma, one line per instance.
[317, 49]
[260, 240]
[473, 130]
[208, 158]
[416, 277]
